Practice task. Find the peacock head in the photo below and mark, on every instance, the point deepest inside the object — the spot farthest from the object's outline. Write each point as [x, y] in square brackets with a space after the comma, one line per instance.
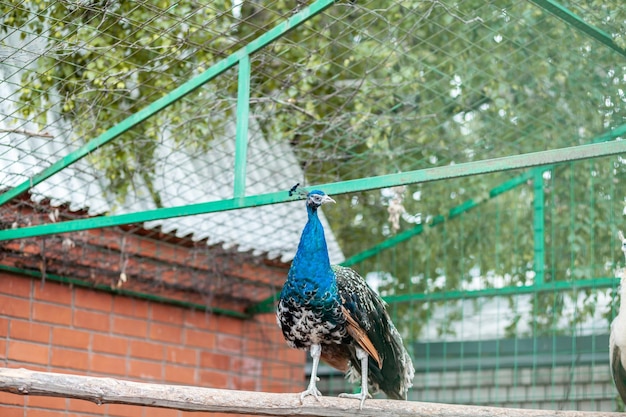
[316, 198]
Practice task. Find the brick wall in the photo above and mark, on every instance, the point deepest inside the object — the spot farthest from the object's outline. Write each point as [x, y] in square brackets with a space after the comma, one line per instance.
[60, 328]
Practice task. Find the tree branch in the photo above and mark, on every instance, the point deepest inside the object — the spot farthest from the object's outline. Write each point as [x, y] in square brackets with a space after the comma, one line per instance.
[187, 398]
[27, 133]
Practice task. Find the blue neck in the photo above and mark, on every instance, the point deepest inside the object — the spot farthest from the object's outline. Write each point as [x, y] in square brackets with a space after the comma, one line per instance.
[311, 263]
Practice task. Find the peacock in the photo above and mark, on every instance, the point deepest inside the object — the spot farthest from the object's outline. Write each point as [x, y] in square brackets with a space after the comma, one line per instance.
[331, 311]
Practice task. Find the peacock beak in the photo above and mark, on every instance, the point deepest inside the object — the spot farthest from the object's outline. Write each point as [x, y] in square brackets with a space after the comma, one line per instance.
[328, 199]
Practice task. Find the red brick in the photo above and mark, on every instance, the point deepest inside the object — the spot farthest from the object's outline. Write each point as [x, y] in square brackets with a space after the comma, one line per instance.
[3, 348]
[69, 358]
[293, 356]
[179, 355]
[180, 374]
[200, 338]
[27, 330]
[145, 370]
[230, 325]
[166, 333]
[127, 306]
[47, 402]
[9, 411]
[109, 344]
[213, 379]
[275, 386]
[284, 372]
[130, 327]
[107, 364]
[62, 336]
[146, 350]
[91, 320]
[33, 412]
[229, 344]
[31, 367]
[258, 348]
[123, 410]
[93, 300]
[53, 292]
[50, 313]
[15, 285]
[14, 307]
[4, 326]
[166, 313]
[200, 319]
[246, 383]
[210, 360]
[7, 398]
[81, 407]
[28, 352]
[247, 366]
[168, 412]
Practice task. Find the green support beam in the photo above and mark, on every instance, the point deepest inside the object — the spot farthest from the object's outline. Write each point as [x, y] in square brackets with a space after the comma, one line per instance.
[279, 30]
[578, 23]
[539, 237]
[243, 115]
[266, 306]
[604, 282]
[411, 177]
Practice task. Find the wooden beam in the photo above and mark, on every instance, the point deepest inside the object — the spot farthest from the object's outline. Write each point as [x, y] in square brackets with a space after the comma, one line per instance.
[187, 398]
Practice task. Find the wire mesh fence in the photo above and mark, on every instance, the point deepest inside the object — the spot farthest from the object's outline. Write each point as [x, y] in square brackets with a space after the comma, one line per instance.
[361, 89]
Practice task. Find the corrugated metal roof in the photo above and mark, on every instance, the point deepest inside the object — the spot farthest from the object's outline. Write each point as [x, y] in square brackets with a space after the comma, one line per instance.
[181, 176]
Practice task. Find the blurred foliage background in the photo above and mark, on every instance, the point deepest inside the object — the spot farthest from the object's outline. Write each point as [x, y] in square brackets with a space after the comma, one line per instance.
[368, 88]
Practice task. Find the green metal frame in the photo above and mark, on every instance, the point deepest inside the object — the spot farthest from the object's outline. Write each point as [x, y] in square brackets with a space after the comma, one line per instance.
[539, 283]
[538, 227]
[241, 57]
[528, 160]
[240, 200]
[578, 23]
[241, 140]
[604, 282]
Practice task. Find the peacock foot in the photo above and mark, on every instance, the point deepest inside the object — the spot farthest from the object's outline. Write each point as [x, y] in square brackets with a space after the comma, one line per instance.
[359, 396]
[311, 390]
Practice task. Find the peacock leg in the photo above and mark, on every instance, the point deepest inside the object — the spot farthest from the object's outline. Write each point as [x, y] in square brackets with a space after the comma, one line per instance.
[316, 351]
[363, 357]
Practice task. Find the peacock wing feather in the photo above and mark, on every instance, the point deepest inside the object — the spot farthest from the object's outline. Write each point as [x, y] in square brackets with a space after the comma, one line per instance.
[390, 368]
[360, 336]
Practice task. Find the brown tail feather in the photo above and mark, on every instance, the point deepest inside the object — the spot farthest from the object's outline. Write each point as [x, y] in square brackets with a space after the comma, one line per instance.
[361, 337]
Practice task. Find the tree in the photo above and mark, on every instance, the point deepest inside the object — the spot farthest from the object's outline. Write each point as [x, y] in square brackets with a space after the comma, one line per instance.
[365, 89]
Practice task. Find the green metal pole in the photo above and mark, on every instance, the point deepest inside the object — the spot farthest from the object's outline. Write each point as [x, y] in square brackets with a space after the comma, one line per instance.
[592, 283]
[578, 23]
[538, 226]
[243, 114]
[425, 175]
[279, 30]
